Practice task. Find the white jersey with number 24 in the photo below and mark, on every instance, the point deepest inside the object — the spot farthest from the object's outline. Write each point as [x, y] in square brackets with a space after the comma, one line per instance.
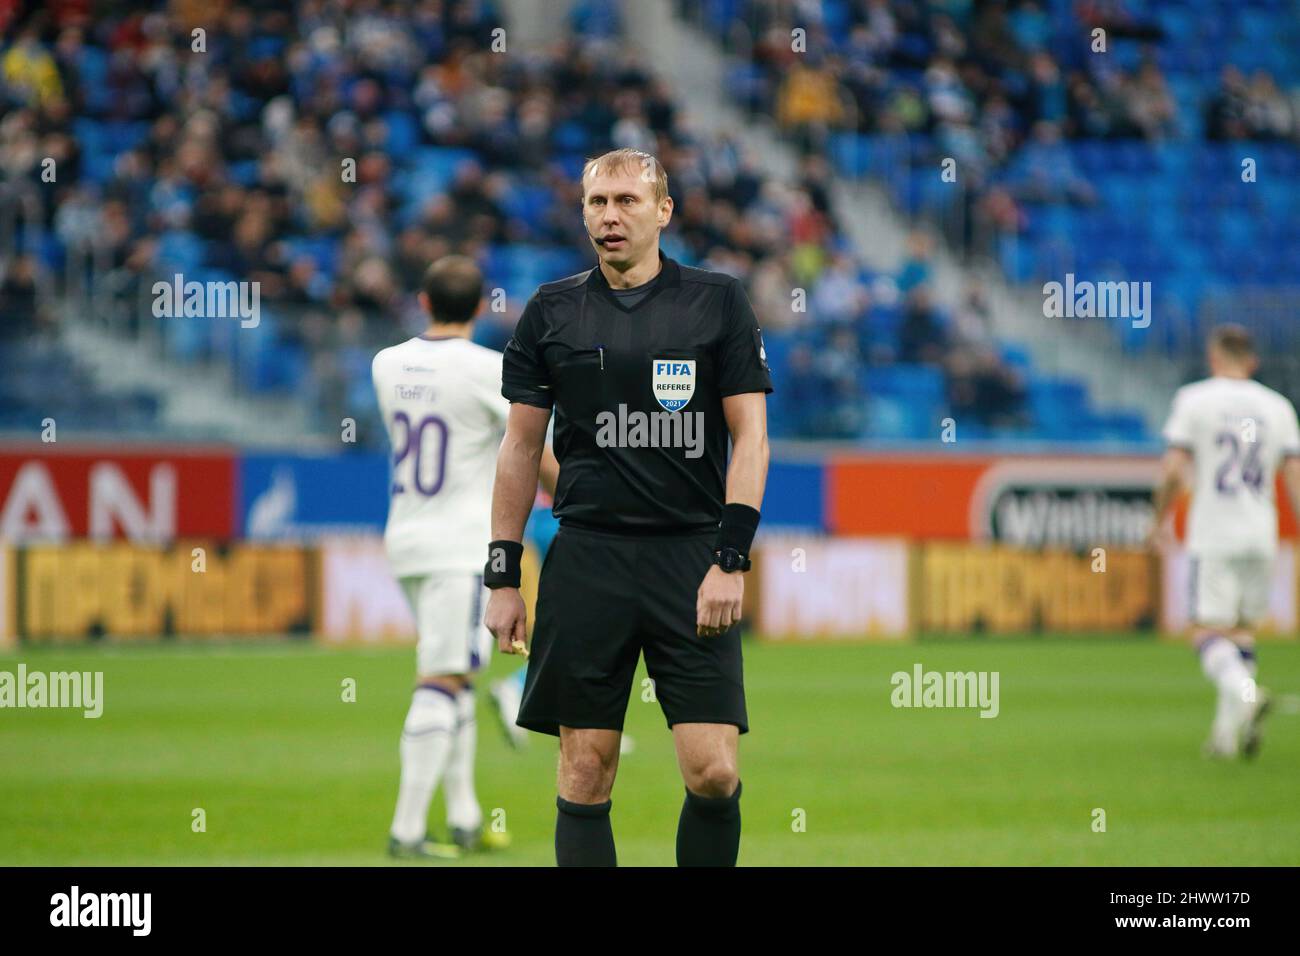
[1238, 432]
[442, 405]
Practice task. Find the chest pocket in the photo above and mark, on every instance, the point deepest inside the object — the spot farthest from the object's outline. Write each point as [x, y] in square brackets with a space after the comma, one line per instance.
[579, 379]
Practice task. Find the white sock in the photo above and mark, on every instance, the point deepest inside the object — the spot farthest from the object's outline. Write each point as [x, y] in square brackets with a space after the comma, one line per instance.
[426, 745]
[463, 811]
[1222, 663]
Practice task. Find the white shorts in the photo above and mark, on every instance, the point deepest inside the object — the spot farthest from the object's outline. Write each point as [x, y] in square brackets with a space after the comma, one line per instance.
[449, 610]
[1230, 591]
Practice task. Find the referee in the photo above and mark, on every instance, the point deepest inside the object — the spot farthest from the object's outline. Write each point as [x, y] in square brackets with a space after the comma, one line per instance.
[650, 367]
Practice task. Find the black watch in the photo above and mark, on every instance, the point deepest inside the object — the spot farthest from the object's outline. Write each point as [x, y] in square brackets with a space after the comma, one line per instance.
[731, 560]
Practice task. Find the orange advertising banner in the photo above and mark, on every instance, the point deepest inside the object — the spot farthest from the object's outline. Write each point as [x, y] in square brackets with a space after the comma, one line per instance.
[1031, 501]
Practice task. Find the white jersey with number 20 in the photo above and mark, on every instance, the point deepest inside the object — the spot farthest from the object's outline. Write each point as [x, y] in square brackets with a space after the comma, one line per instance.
[442, 405]
[1238, 432]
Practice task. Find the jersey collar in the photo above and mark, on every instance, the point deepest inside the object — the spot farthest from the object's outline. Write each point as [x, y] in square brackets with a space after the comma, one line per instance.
[669, 275]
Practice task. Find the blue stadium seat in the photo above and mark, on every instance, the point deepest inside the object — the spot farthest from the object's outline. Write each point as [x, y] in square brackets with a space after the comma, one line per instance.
[244, 172]
[403, 132]
[918, 382]
[529, 203]
[180, 250]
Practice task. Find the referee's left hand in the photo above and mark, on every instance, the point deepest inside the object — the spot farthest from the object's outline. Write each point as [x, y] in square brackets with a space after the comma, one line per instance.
[507, 618]
[717, 603]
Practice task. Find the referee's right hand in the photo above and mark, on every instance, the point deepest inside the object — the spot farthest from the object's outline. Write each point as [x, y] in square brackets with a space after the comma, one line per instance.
[507, 619]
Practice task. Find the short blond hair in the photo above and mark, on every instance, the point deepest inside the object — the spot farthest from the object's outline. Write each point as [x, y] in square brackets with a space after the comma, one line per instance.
[617, 159]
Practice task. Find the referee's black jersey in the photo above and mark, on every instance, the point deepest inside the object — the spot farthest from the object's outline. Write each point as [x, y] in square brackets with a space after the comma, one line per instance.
[637, 392]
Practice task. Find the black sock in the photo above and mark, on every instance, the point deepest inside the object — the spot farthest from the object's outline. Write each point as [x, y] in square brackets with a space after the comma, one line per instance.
[708, 833]
[583, 836]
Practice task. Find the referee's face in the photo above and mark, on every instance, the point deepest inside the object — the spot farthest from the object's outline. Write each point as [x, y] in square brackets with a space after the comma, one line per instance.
[619, 207]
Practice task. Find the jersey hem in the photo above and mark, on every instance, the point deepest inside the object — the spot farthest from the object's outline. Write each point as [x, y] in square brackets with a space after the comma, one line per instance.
[678, 531]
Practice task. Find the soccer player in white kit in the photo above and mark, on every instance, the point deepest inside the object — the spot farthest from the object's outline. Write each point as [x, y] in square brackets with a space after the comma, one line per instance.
[1237, 434]
[440, 396]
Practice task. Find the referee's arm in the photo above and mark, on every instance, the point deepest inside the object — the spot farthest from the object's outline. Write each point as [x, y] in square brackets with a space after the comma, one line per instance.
[513, 493]
[519, 464]
[525, 382]
[718, 600]
[747, 471]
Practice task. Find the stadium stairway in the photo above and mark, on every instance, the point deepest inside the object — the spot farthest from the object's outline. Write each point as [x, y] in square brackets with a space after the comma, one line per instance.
[197, 403]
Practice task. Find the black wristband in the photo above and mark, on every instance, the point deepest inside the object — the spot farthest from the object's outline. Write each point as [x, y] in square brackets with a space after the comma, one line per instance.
[503, 564]
[736, 530]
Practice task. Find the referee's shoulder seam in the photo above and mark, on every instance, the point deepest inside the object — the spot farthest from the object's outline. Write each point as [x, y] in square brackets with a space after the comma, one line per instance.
[563, 285]
[692, 274]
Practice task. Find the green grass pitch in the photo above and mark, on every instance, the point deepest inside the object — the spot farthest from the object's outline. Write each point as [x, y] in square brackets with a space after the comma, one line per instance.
[288, 773]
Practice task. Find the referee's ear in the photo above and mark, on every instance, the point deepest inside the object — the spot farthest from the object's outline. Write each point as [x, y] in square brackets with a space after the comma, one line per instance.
[668, 217]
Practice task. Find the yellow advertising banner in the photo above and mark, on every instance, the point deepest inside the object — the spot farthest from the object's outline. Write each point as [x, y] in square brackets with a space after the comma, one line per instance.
[967, 588]
[133, 591]
[341, 591]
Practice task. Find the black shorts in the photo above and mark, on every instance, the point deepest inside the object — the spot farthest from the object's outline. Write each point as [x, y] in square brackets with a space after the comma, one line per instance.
[603, 600]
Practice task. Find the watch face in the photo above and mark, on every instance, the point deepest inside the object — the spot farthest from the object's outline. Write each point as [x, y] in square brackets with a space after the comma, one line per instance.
[730, 559]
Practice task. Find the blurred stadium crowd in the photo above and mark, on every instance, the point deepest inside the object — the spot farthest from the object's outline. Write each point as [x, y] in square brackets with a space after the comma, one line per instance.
[1120, 155]
[229, 163]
